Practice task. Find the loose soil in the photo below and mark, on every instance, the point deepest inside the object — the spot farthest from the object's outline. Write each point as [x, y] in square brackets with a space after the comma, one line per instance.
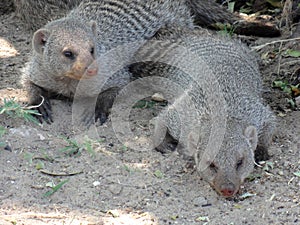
[110, 183]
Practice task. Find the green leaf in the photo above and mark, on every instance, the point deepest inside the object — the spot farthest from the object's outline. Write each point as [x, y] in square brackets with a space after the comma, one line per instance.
[40, 165]
[254, 176]
[237, 206]
[293, 53]
[89, 147]
[246, 195]
[30, 118]
[128, 168]
[158, 174]
[55, 188]
[231, 6]
[14, 109]
[268, 166]
[297, 174]
[292, 103]
[29, 157]
[202, 219]
[275, 3]
[2, 131]
[174, 217]
[245, 10]
[283, 85]
[279, 83]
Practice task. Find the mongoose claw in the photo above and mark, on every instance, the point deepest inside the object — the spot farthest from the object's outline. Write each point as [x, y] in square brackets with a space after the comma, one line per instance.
[102, 116]
[168, 145]
[46, 112]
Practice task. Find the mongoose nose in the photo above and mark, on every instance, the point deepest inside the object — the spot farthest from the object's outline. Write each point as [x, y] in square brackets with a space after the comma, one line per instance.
[91, 71]
[228, 190]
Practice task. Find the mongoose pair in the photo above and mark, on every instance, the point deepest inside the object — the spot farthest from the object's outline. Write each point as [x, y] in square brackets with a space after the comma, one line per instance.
[66, 50]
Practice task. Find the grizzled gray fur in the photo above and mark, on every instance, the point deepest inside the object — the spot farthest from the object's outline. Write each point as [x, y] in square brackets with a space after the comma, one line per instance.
[36, 13]
[216, 112]
[6, 6]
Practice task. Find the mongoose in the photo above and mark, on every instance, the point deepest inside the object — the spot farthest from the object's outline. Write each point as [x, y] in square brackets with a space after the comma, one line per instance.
[218, 117]
[64, 49]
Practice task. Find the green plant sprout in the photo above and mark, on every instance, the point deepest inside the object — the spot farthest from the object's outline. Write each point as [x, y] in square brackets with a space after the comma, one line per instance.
[55, 188]
[74, 148]
[15, 110]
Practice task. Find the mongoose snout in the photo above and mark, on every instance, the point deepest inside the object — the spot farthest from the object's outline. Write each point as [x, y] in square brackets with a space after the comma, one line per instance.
[81, 70]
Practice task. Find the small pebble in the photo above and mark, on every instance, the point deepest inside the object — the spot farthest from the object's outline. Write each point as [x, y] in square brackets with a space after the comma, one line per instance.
[41, 137]
[96, 183]
[158, 97]
[199, 201]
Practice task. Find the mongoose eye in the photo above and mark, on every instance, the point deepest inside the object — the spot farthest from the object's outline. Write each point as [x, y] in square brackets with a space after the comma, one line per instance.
[69, 54]
[239, 164]
[213, 167]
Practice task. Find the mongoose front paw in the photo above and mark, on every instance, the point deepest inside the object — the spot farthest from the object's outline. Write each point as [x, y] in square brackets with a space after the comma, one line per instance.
[45, 112]
[89, 117]
[165, 148]
[102, 117]
[261, 154]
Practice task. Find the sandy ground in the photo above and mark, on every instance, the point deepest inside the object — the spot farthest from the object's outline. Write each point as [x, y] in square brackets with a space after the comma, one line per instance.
[113, 184]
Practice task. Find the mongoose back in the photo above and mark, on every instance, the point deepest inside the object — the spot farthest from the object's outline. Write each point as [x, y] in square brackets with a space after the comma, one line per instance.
[36, 13]
[197, 114]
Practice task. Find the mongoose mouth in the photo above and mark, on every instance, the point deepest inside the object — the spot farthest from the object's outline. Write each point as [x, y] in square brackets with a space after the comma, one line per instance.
[75, 76]
[226, 190]
[80, 71]
[89, 73]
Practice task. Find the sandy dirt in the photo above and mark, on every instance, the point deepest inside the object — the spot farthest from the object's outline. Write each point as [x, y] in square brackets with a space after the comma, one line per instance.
[113, 184]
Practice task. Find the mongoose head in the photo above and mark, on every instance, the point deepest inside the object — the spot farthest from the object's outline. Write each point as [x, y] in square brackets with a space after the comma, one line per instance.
[66, 48]
[232, 163]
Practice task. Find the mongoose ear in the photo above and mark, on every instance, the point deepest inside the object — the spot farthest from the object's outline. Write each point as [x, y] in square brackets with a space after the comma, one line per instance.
[40, 38]
[93, 25]
[251, 134]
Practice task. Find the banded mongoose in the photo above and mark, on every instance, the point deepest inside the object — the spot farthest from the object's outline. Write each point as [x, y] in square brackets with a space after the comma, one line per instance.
[197, 116]
[65, 48]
